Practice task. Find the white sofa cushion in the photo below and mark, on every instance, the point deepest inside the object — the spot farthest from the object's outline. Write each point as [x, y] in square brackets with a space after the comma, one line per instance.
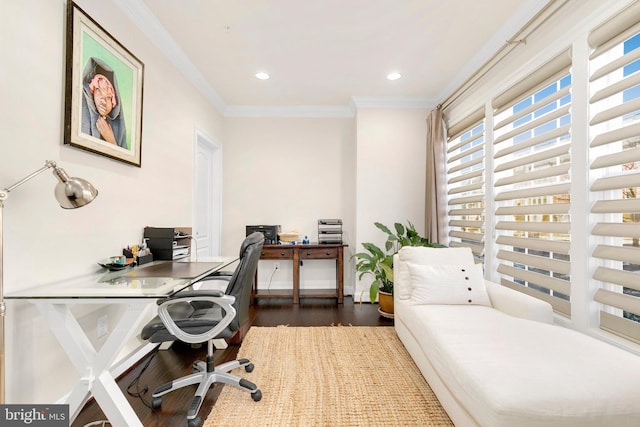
[556, 377]
[423, 256]
[448, 284]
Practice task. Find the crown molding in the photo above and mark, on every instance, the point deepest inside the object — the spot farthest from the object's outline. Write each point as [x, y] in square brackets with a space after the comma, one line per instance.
[318, 111]
[147, 22]
[336, 111]
[393, 102]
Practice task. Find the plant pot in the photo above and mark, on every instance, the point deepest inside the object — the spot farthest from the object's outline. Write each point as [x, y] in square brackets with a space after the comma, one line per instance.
[385, 300]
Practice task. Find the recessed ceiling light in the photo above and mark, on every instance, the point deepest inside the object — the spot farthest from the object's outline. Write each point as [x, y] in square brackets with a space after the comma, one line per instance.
[393, 76]
[262, 75]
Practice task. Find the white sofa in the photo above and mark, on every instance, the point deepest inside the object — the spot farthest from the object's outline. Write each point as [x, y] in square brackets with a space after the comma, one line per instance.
[504, 363]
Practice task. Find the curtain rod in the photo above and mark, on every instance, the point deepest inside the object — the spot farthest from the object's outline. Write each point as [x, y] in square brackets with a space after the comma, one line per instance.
[519, 38]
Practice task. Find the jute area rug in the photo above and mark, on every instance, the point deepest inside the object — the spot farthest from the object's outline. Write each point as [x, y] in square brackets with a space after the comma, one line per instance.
[328, 376]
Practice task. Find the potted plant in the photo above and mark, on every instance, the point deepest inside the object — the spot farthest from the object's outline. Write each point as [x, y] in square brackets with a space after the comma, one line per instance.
[379, 262]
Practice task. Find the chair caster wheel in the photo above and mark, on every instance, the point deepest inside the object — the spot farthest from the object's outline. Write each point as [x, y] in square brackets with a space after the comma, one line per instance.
[156, 402]
[256, 395]
[195, 422]
[249, 367]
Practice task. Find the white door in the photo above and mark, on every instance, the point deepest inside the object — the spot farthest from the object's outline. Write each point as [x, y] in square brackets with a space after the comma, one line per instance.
[207, 195]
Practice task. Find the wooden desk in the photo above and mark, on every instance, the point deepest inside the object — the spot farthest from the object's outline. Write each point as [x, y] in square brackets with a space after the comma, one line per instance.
[297, 254]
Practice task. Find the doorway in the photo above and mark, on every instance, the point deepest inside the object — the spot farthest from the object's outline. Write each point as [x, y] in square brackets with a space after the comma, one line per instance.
[207, 221]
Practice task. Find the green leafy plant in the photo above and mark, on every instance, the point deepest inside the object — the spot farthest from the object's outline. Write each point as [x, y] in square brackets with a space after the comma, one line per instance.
[379, 262]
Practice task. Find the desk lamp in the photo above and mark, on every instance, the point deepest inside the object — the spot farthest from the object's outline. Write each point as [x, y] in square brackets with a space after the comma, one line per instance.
[71, 193]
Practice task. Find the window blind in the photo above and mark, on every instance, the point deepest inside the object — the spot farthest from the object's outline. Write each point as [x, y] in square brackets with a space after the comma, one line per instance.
[615, 171]
[466, 183]
[532, 141]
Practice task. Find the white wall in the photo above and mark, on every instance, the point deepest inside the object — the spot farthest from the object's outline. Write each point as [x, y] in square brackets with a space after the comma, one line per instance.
[390, 183]
[44, 243]
[294, 171]
[288, 172]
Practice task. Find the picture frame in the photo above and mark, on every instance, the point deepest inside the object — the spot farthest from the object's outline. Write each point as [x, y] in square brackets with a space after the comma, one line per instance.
[103, 91]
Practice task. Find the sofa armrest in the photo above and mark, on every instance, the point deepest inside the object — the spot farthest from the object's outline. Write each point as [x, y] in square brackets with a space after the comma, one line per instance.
[518, 304]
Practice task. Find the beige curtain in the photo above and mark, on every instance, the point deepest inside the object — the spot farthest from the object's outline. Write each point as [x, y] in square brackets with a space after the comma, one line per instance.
[435, 196]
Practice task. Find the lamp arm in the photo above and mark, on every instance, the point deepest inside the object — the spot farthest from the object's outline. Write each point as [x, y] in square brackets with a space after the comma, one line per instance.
[3, 307]
[71, 193]
[48, 165]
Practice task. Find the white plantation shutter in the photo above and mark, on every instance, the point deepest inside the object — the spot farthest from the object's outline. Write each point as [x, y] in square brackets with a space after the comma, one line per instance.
[615, 170]
[466, 183]
[532, 183]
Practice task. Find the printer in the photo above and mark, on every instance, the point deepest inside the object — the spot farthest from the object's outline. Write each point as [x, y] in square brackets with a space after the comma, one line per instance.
[270, 233]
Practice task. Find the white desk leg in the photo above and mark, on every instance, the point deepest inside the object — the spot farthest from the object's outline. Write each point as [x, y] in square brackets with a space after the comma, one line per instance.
[113, 403]
[93, 366]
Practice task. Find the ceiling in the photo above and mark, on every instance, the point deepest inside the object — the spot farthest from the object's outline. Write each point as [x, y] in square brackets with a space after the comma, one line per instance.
[328, 53]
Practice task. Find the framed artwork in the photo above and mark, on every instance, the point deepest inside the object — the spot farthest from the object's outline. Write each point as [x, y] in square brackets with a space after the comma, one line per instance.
[103, 91]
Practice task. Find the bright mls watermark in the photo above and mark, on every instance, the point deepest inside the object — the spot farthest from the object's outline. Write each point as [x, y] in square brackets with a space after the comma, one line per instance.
[34, 415]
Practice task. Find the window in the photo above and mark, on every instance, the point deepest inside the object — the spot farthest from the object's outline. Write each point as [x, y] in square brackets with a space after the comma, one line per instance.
[532, 161]
[615, 172]
[466, 183]
[555, 160]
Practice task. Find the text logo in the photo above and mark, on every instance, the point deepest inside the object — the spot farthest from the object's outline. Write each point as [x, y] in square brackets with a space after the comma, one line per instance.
[34, 415]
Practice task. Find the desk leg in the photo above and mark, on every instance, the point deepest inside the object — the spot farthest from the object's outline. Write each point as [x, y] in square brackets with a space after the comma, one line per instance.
[296, 277]
[340, 275]
[93, 365]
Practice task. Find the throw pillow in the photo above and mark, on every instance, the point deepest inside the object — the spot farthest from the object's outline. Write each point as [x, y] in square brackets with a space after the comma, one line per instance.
[424, 255]
[448, 284]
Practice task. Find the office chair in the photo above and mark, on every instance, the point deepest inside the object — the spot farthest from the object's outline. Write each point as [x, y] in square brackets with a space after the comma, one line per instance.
[197, 316]
[222, 275]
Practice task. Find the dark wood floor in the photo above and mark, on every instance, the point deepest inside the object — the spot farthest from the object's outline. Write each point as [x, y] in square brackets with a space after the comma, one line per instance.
[178, 361]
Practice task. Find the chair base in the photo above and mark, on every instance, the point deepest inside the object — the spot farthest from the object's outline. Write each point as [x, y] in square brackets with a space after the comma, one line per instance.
[205, 375]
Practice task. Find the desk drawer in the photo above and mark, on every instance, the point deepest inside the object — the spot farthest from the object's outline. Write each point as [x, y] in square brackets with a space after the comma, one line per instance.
[319, 253]
[276, 253]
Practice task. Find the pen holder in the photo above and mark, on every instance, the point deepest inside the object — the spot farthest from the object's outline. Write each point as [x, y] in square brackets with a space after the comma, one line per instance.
[145, 259]
[140, 259]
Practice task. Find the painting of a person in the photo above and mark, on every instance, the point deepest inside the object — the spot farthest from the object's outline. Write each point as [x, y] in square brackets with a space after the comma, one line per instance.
[101, 104]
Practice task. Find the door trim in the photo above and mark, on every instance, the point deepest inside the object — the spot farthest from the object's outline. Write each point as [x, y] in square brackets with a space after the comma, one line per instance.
[215, 200]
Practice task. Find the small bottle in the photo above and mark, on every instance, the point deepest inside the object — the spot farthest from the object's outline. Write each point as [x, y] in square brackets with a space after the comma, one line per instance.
[305, 241]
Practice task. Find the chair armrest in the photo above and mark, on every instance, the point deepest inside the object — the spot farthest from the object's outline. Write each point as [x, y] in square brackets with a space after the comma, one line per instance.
[212, 296]
[518, 304]
[188, 295]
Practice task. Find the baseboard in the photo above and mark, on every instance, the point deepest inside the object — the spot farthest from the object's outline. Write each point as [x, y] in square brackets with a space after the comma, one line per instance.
[348, 290]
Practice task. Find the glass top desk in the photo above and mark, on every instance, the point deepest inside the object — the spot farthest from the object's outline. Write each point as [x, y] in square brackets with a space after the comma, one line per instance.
[135, 288]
